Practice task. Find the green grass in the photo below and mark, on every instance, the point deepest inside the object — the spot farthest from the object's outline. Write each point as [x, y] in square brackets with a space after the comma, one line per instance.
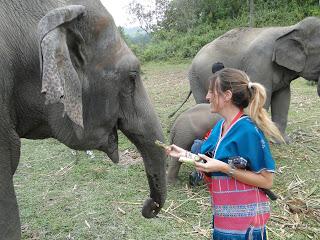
[66, 196]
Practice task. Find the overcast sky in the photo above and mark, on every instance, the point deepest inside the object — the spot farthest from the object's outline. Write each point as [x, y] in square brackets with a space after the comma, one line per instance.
[119, 11]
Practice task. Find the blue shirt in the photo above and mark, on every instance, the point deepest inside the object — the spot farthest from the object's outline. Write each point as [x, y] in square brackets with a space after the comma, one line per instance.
[243, 139]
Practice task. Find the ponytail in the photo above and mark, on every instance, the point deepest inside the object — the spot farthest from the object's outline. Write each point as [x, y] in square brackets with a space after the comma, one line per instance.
[246, 95]
[259, 115]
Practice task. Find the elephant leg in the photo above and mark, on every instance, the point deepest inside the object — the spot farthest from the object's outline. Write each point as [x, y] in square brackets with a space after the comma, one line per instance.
[182, 136]
[9, 158]
[199, 92]
[173, 170]
[268, 101]
[200, 96]
[280, 103]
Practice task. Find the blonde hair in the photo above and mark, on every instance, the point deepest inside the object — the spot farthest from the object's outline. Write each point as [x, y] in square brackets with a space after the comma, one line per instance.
[246, 94]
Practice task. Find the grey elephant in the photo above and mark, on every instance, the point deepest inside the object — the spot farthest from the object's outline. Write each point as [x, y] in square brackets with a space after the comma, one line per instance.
[67, 74]
[189, 125]
[272, 56]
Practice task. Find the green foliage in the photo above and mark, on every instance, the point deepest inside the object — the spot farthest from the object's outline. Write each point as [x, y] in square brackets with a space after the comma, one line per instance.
[181, 15]
[216, 9]
[148, 17]
[135, 39]
[188, 25]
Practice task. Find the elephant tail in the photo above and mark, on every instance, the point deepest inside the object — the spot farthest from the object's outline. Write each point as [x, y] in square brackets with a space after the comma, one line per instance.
[172, 114]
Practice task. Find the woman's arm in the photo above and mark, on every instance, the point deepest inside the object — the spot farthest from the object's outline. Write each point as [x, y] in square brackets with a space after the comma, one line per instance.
[175, 151]
[263, 179]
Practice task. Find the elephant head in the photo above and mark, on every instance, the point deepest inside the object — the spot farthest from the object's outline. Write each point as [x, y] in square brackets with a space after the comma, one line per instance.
[92, 87]
[299, 49]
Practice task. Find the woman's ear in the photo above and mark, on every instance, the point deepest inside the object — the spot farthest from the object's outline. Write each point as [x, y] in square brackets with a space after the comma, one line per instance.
[227, 95]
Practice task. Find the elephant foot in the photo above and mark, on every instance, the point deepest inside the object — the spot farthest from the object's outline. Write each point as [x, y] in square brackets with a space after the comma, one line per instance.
[286, 138]
[195, 179]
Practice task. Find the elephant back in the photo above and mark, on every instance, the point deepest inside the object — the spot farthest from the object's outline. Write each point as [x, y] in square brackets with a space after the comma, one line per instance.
[193, 124]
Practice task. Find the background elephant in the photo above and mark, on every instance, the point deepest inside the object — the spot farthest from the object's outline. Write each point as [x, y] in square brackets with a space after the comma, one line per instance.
[67, 74]
[272, 56]
[190, 125]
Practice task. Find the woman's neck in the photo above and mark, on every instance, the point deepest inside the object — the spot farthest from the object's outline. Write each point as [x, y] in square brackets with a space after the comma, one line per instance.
[229, 114]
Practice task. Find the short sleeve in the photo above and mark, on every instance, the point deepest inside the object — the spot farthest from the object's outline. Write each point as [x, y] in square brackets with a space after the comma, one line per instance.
[255, 148]
[196, 146]
[210, 143]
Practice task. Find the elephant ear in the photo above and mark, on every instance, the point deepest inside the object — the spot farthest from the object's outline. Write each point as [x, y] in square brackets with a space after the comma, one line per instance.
[289, 52]
[60, 81]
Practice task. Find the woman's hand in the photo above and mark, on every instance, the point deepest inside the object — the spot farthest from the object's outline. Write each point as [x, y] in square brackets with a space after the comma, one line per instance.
[264, 179]
[175, 151]
[212, 165]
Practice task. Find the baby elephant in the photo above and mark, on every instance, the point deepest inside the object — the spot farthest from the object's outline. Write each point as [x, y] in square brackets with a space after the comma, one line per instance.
[190, 125]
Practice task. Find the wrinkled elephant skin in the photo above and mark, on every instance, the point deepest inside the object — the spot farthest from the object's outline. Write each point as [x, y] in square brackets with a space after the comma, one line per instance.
[190, 125]
[67, 74]
[272, 56]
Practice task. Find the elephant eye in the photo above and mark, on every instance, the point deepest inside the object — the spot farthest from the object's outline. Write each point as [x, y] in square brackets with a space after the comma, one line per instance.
[133, 75]
[130, 86]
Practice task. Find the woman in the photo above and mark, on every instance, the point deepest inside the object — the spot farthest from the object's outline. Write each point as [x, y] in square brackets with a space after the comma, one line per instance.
[241, 209]
[195, 177]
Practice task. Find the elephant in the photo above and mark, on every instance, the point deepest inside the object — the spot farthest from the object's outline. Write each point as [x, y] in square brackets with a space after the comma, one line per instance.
[189, 125]
[66, 73]
[272, 56]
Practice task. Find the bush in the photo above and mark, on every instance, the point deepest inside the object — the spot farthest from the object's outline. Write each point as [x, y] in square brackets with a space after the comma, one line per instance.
[172, 44]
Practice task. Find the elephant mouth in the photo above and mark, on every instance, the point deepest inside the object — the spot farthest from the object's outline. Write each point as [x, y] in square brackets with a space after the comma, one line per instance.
[111, 146]
[114, 155]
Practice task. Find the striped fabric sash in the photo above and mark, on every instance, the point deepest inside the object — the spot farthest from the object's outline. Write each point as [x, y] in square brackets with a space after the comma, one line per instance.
[237, 206]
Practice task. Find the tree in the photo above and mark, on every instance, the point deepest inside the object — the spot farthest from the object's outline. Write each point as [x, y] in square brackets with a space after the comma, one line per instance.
[148, 16]
[251, 14]
[181, 15]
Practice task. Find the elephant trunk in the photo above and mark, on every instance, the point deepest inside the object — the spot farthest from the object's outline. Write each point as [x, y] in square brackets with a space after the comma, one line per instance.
[154, 162]
[142, 127]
